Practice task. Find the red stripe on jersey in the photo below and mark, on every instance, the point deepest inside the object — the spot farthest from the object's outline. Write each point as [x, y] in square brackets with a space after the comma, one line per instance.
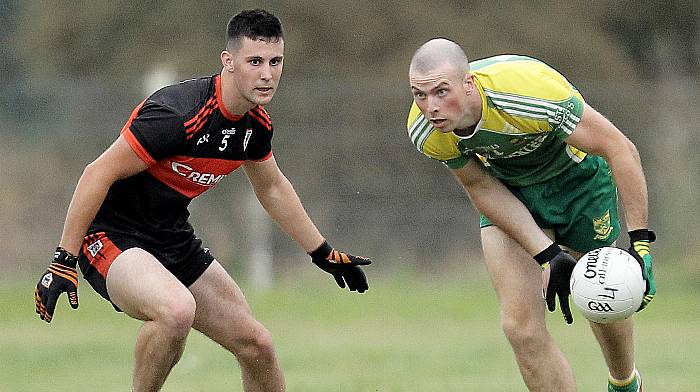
[220, 101]
[100, 252]
[191, 131]
[264, 113]
[261, 120]
[137, 147]
[206, 106]
[192, 176]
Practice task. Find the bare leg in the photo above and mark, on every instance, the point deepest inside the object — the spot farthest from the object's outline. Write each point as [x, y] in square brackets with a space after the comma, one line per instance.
[517, 280]
[145, 290]
[617, 344]
[224, 316]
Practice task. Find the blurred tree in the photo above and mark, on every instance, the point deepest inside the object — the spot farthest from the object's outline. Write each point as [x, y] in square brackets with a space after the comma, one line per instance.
[119, 38]
[661, 33]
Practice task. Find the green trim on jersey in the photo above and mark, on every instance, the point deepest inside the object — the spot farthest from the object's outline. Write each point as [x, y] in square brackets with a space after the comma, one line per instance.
[528, 111]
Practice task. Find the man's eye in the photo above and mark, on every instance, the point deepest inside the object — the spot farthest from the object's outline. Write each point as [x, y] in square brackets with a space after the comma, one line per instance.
[442, 92]
[255, 62]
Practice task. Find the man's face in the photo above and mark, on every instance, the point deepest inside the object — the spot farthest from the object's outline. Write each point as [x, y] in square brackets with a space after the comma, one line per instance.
[257, 67]
[441, 96]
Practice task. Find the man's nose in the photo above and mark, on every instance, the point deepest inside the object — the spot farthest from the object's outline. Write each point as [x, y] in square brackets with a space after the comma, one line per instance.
[266, 73]
[433, 105]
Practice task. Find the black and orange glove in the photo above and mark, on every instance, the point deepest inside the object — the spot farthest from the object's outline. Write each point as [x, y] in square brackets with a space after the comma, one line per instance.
[559, 265]
[59, 277]
[344, 267]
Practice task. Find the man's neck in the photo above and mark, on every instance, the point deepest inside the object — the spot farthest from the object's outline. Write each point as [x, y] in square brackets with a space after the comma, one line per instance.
[475, 107]
[234, 105]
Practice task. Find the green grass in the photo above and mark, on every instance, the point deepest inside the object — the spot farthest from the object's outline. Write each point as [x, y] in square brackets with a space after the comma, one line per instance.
[404, 334]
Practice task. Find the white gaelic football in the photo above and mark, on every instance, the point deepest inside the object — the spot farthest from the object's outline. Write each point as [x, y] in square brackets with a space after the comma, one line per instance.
[607, 285]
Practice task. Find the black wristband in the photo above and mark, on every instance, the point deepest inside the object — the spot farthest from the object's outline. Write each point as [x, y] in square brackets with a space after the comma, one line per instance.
[547, 254]
[642, 235]
[322, 251]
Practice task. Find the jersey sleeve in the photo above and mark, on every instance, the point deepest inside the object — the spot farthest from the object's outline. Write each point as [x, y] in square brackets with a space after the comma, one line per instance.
[561, 101]
[259, 145]
[154, 132]
[432, 143]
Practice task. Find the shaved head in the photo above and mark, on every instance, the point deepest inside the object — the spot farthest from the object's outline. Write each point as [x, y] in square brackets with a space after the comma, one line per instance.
[438, 52]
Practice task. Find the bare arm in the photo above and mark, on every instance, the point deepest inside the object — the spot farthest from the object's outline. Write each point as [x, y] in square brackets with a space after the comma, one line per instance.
[117, 162]
[280, 200]
[596, 135]
[498, 203]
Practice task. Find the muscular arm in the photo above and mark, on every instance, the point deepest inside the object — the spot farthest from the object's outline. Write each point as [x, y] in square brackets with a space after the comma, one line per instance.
[280, 200]
[499, 204]
[596, 135]
[117, 162]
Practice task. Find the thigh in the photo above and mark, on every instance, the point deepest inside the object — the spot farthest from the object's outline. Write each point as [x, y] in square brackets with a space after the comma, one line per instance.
[141, 286]
[222, 314]
[516, 277]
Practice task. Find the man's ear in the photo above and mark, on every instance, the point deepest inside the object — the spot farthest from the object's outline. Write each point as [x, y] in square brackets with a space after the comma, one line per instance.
[468, 83]
[227, 60]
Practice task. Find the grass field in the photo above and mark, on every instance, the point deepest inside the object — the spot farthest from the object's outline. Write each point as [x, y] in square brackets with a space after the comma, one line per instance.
[405, 334]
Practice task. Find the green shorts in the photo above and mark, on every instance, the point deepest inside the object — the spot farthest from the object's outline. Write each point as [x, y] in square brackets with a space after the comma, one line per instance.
[579, 205]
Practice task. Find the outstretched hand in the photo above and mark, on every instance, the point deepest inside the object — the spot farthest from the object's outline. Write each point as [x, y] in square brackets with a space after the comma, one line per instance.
[344, 267]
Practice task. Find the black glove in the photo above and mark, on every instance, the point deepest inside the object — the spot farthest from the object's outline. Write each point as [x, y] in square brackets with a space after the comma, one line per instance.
[59, 277]
[560, 265]
[343, 266]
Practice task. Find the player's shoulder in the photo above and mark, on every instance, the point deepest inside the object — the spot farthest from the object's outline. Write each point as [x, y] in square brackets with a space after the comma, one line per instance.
[187, 96]
[521, 76]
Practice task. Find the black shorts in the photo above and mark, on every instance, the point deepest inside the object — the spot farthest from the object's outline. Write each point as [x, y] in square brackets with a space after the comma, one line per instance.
[186, 261]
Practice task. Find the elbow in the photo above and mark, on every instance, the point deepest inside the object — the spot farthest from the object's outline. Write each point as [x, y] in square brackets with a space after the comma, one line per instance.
[631, 149]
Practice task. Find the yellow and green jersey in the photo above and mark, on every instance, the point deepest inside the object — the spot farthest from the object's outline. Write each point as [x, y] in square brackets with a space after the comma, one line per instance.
[528, 110]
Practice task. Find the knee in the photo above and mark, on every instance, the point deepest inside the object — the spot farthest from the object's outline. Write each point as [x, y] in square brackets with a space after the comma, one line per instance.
[256, 347]
[177, 315]
[524, 335]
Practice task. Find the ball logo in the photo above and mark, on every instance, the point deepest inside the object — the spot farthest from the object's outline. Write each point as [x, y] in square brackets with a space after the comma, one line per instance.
[600, 306]
[594, 268]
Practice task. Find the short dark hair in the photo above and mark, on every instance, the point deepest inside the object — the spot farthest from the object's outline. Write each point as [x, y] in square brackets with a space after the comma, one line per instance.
[254, 24]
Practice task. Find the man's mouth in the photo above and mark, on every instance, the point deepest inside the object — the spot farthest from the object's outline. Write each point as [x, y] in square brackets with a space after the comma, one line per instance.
[437, 122]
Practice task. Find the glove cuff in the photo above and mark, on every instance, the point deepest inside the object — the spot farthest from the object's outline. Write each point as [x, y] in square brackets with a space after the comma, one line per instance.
[64, 257]
[642, 235]
[322, 251]
[548, 254]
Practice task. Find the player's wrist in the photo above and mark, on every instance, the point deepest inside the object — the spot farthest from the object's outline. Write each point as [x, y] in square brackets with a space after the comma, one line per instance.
[547, 254]
[642, 235]
[62, 256]
[322, 252]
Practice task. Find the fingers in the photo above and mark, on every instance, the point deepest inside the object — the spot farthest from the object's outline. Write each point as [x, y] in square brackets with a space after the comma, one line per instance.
[549, 298]
[565, 310]
[50, 302]
[358, 279]
[40, 308]
[339, 279]
[358, 260]
[73, 299]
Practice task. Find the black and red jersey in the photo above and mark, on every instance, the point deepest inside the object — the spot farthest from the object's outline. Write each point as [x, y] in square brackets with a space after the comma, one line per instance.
[190, 143]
